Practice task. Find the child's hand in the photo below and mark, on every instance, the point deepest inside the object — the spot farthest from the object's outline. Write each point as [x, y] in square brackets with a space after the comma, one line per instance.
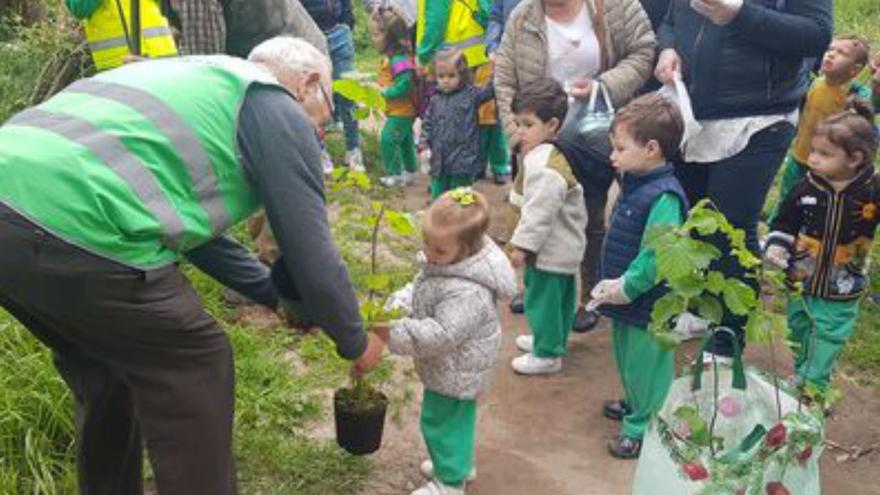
[383, 331]
[609, 291]
[778, 256]
[517, 257]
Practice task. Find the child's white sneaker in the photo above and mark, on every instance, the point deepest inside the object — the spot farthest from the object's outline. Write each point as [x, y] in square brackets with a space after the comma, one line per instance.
[525, 342]
[435, 487]
[427, 469]
[389, 180]
[355, 160]
[529, 364]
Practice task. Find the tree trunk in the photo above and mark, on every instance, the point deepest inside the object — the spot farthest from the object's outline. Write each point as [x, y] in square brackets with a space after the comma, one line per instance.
[30, 11]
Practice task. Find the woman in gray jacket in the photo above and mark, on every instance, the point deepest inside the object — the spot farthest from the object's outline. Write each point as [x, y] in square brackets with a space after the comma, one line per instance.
[576, 42]
[454, 332]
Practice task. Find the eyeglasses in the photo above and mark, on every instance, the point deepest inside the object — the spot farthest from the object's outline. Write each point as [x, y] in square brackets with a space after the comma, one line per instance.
[327, 99]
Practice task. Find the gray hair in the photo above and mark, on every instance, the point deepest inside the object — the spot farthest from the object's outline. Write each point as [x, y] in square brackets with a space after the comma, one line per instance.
[286, 56]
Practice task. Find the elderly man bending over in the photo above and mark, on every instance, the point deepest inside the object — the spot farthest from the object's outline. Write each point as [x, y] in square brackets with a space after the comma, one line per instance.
[106, 186]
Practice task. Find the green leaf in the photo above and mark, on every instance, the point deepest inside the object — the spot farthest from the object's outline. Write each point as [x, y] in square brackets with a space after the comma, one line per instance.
[350, 89]
[668, 340]
[401, 223]
[667, 307]
[739, 298]
[655, 235]
[699, 429]
[373, 99]
[377, 281]
[361, 113]
[715, 282]
[691, 285]
[704, 220]
[762, 327]
[710, 308]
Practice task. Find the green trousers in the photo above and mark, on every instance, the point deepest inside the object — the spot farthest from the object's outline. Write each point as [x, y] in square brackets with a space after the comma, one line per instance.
[448, 426]
[549, 306]
[816, 351]
[792, 172]
[646, 372]
[397, 146]
[443, 183]
[493, 147]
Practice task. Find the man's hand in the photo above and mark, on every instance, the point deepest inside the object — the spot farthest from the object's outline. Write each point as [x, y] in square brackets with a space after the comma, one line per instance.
[667, 65]
[608, 291]
[581, 89]
[371, 357]
[720, 12]
[517, 257]
[778, 256]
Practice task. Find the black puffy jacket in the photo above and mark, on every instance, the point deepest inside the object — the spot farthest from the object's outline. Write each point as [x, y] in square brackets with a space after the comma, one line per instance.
[756, 64]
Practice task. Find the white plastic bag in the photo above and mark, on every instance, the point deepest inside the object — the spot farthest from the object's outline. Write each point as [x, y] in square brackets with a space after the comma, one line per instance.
[756, 443]
[677, 92]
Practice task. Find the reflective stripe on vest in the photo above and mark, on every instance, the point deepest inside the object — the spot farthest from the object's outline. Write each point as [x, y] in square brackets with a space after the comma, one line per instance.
[109, 149]
[187, 145]
[154, 32]
[465, 33]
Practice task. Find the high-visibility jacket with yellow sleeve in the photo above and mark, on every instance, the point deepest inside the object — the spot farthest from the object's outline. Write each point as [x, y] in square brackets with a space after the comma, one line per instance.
[109, 31]
[451, 24]
[138, 164]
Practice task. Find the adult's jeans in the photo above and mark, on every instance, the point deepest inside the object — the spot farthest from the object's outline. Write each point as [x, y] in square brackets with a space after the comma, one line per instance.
[145, 362]
[341, 45]
[738, 186]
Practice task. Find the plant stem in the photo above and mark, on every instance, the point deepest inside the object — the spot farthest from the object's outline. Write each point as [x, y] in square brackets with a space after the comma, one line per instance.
[374, 244]
[715, 403]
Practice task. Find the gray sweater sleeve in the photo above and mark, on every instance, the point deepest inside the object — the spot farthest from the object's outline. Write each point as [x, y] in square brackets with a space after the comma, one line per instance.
[281, 155]
[231, 264]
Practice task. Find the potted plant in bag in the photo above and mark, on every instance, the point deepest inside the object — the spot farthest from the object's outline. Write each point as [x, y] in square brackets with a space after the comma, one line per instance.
[747, 432]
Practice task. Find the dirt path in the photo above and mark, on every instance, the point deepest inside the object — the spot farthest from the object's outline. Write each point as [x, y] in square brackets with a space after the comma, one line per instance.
[547, 436]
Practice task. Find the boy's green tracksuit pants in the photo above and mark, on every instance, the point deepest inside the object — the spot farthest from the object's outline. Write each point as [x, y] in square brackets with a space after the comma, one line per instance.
[493, 147]
[443, 183]
[646, 371]
[398, 146]
[549, 306]
[816, 352]
[448, 426]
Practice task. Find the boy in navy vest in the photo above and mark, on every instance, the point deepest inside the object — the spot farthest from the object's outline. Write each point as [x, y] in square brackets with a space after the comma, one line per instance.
[646, 134]
[549, 238]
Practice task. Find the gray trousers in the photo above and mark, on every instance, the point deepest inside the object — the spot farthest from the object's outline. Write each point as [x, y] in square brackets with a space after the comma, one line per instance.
[146, 364]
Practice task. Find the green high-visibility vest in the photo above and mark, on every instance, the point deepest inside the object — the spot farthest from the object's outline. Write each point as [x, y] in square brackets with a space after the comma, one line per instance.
[138, 164]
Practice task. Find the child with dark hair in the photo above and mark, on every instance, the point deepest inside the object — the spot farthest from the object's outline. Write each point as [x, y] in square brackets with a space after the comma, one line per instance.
[398, 82]
[645, 134]
[549, 238]
[844, 60]
[823, 237]
[450, 130]
[454, 332]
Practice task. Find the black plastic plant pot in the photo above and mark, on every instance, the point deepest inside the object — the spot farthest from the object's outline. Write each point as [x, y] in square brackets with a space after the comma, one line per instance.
[360, 421]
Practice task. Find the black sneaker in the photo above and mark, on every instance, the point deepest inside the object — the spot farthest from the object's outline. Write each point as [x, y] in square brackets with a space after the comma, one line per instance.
[584, 321]
[615, 409]
[517, 305]
[623, 447]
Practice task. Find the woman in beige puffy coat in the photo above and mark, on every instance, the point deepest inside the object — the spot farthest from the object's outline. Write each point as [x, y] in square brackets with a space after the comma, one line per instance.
[576, 42]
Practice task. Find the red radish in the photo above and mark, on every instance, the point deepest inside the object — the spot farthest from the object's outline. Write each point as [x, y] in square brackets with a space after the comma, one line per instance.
[695, 471]
[776, 488]
[775, 438]
[804, 456]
